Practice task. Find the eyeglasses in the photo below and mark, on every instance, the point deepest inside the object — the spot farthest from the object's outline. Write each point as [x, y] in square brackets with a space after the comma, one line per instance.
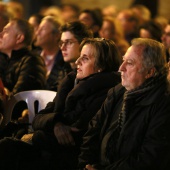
[67, 43]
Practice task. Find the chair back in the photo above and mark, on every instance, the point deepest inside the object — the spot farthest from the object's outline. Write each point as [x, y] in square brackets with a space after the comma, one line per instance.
[32, 98]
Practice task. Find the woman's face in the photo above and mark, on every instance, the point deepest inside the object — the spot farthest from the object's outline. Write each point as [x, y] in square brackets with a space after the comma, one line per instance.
[86, 62]
[107, 30]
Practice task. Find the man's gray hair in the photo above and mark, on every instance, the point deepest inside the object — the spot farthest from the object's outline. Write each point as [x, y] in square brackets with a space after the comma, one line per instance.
[153, 54]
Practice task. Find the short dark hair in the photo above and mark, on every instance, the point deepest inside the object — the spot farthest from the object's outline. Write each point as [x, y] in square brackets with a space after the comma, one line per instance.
[78, 29]
[26, 28]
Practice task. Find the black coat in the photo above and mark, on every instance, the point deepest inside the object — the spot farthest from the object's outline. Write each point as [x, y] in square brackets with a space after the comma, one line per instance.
[24, 71]
[144, 142]
[59, 70]
[75, 105]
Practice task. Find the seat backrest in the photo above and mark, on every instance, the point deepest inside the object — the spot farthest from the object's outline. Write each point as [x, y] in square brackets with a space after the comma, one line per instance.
[32, 97]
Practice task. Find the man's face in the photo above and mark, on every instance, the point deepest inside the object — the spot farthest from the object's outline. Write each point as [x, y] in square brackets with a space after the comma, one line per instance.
[9, 38]
[69, 47]
[127, 24]
[132, 73]
[166, 37]
[86, 19]
[44, 35]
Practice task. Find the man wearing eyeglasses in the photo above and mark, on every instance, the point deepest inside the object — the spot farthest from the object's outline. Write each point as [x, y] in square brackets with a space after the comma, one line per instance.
[71, 36]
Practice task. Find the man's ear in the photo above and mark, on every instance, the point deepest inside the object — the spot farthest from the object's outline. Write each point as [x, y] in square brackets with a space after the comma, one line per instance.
[151, 72]
[20, 38]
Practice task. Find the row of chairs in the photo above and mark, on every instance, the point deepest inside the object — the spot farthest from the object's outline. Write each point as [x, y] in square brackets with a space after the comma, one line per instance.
[35, 100]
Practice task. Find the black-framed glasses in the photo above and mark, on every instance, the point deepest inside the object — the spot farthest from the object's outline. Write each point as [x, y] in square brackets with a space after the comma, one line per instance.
[67, 43]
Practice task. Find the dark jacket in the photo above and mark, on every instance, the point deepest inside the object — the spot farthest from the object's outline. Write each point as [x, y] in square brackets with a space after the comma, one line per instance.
[24, 71]
[59, 70]
[76, 105]
[144, 141]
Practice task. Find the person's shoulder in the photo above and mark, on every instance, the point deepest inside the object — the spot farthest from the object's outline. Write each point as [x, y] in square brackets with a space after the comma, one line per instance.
[117, 90]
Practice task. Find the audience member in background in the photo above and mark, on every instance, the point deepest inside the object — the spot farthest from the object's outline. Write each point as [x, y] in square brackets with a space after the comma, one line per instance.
[72, 34]
[111, 29]
[130, 24]
[152, 30]
[48, 38]
[16, 9]
[4, 18]
[69, 12]
[142, 12]
[55, 12]
[162, 21]
[131, 130]
[58, 129]
[35, 21]
[110, 11]
[24, 70]
[93, 19]
[166, 40]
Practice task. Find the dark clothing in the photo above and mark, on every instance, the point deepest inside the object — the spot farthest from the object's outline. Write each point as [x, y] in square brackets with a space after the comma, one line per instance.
[59, 70]
[24, 71]
[74, 105]
[3, 65]
[131, 130]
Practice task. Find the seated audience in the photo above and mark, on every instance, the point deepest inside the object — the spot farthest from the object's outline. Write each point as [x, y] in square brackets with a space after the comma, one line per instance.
[131, 130]
[48, 38]
[111, 29]
[21, 70]
[58, 129]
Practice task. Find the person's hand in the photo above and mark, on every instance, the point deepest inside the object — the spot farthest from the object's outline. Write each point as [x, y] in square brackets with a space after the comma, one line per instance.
[63, 134]
[90, 167]
[27, 138]
[24, 117]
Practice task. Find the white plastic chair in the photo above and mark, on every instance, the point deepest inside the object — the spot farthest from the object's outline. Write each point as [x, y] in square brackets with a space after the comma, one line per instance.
[30, 97]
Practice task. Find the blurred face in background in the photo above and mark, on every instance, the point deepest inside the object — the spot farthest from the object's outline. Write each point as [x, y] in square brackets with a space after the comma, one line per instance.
[45, 36]
[166, 37]
[86, 19]
[107, 30]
